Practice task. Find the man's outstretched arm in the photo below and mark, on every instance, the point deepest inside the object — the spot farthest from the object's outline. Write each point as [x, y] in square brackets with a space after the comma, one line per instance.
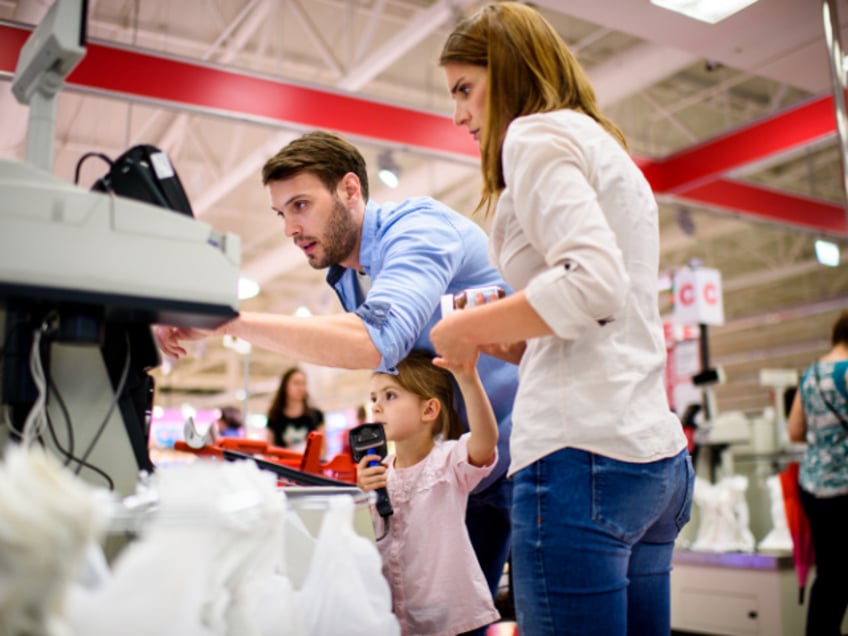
[339, 340]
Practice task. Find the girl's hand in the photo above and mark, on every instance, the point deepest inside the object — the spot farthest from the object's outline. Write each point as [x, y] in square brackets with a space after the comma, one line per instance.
[453, 350]
[463, 368]
[370, 477]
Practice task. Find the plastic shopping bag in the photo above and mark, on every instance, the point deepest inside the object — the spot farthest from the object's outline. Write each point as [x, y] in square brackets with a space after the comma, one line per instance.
[345, 591]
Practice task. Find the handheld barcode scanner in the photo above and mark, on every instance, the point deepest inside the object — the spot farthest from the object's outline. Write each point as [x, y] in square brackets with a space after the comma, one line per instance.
[370, 439]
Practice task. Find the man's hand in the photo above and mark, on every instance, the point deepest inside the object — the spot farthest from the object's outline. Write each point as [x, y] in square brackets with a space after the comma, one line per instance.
[168, 338]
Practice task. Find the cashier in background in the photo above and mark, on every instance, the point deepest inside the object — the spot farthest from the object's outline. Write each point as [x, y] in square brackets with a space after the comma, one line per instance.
[389, 266]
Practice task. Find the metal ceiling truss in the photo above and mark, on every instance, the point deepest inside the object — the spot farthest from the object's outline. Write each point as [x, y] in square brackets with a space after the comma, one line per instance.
[698, 174]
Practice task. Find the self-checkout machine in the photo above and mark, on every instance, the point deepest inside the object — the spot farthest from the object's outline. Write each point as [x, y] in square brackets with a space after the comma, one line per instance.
[723, 588]
[780, 384]
[83, 276]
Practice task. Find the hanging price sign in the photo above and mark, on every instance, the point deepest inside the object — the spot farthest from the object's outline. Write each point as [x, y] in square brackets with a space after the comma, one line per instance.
[697, 297]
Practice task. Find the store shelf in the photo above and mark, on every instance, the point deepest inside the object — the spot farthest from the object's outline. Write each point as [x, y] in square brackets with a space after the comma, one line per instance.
[735, 593]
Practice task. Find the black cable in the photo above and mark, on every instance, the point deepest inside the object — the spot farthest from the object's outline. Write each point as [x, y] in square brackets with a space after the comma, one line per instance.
[69, 453]
[50, 384]
[385, 528]
[66, 453]
[118, 390]
[86, 156]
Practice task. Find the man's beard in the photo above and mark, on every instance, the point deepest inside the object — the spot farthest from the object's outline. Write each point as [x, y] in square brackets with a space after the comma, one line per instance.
[339, 237]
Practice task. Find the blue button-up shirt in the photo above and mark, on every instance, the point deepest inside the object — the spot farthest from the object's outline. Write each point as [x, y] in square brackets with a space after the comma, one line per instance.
[414, 252]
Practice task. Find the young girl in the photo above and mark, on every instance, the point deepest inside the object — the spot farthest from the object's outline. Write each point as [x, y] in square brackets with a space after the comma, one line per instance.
[437, 585]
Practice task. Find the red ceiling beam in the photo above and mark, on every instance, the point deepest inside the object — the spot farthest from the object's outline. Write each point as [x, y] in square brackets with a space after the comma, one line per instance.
[769, 205]
[115, 70]
[790, 129]
[694, 174]
[11, 41]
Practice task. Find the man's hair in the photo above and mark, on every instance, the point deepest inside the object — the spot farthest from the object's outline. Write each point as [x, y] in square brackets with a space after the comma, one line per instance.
[324, 154]
[418, 375]
[840, 329]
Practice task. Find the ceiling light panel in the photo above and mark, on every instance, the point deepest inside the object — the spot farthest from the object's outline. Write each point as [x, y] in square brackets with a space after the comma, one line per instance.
[710, 11]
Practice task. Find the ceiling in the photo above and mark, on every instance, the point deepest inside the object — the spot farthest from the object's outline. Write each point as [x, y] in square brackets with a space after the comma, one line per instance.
[731, 122]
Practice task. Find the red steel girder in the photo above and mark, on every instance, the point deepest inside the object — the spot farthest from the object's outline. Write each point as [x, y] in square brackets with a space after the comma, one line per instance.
[695, 174]
[115, 70]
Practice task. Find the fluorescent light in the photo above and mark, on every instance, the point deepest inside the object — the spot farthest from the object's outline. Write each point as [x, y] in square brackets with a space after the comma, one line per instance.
[389, 170]
[247, 288]
[388, 177]
[710, 11]
[827, 253]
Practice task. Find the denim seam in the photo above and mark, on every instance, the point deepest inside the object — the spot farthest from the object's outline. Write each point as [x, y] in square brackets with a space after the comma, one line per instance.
[684, 514]
[540, 562]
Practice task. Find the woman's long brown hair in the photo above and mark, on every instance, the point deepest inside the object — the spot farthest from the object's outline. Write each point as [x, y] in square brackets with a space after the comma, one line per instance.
[529, 70]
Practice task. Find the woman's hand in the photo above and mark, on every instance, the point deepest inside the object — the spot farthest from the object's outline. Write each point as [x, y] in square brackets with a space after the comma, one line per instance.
[510, 352]
[370, 477]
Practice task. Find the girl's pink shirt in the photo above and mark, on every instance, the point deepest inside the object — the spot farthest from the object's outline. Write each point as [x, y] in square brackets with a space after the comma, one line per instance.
[438, 588]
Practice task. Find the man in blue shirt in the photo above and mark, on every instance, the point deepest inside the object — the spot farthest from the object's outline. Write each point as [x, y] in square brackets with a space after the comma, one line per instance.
[389, 265]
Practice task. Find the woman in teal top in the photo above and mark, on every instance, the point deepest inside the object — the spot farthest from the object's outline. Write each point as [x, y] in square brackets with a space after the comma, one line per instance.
[819, 417]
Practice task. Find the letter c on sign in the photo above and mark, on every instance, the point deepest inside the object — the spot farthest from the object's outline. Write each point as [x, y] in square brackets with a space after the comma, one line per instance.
[687, 294]
[710, 294]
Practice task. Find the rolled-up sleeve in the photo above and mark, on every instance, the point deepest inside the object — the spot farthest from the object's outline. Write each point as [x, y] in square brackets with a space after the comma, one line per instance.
[557, 208]
[418, 260]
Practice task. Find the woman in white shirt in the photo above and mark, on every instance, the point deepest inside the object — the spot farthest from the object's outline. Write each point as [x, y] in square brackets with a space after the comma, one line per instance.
[602, 479]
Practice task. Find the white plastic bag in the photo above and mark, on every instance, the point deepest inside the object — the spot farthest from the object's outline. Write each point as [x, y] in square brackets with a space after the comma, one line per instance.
[724, 516]
[345, 591]
[778, 539]
[48, 517]
[214, 538]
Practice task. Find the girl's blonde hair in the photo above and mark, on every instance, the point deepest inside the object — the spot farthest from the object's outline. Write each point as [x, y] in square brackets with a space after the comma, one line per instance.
[529, 69]
[418, 375]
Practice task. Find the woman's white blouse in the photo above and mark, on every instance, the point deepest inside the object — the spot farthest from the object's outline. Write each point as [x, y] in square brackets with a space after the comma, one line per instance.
[576, 226]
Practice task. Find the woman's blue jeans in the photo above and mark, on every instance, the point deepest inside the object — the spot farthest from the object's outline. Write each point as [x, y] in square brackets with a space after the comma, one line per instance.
[592, 543]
